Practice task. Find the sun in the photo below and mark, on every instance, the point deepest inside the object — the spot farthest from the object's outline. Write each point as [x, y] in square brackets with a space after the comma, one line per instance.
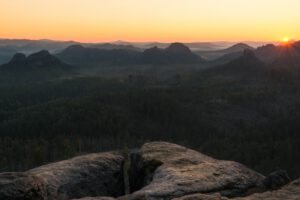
[286, 40]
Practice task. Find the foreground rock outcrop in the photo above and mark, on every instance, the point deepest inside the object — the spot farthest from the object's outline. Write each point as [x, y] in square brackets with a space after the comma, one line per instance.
[288, 192]
[157, 171]
[169, 171]
[90, 175]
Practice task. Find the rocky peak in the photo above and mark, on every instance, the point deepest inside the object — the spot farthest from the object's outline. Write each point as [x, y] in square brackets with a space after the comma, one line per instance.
[75, 47]
[267, 53]
[267, 46]
[39, 55]
[18, 58]
[154, 49]
[238, 48]
[42, 58]
[178, 48]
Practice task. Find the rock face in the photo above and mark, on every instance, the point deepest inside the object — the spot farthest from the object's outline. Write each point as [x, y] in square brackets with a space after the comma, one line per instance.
[157, 171]
[201, 197]
[277, 179]
[290, 192]
[91, 175]
[96, 198]
[165, 171]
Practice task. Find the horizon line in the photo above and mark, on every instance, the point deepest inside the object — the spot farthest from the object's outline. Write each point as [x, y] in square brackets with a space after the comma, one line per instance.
[146, 41]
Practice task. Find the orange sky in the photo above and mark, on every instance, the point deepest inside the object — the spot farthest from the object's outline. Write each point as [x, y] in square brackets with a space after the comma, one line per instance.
[150, 20]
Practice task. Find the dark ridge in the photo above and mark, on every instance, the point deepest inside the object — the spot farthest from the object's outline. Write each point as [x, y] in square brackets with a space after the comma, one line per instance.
[288, 56]
[238, 47]
[178, 48]
[42, 58]
[267, 53]
[18, 58]
[174, 54]
[247, 66]
[38, 66]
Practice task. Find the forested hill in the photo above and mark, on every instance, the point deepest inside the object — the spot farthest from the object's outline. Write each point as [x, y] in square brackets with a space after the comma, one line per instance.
[255, 125]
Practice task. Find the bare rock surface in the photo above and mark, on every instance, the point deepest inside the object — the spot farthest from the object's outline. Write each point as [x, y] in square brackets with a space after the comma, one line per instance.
[169, 171]
[91, 175]
[157, 171]
[96, 198]
[288, 192]
[277, 179]
[201, 197]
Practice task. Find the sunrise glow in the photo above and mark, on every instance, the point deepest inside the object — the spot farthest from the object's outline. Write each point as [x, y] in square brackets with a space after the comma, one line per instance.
[155, 20]
[286, 40]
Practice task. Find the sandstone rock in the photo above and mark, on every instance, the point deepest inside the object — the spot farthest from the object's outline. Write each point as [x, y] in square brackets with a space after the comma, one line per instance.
[20, 186]
[163, 171]
[96, 198]
[201, 197]
[91, 175]
[277, 179]
[158, 171]
[288, 192]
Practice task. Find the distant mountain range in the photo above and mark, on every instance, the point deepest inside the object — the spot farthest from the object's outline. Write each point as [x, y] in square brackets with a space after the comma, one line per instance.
[240, 59]
[43, 66]
[8, 47]
[176, 53]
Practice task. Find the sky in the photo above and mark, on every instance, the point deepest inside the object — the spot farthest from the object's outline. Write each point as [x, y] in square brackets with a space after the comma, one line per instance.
[150, 20]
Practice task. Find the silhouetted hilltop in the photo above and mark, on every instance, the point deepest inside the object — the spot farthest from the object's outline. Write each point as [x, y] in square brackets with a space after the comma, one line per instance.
[239, 47]
[245, 65]
[225, 55]
[18, 58]
[80, 55]
[176, 53]
[154, 55]
[288, 56]
[41, 59]
[178, 48]
[267, 53]
[38, 66]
